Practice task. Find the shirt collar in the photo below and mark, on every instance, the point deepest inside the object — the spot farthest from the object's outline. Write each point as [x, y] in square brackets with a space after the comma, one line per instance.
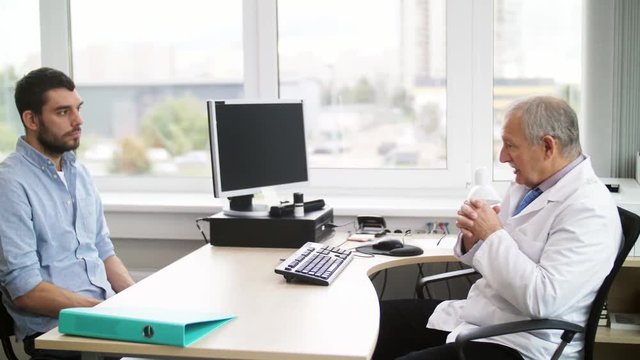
[553, 179]
[37, 158]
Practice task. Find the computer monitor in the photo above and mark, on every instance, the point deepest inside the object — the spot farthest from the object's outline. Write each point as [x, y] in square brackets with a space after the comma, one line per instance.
[255, 145]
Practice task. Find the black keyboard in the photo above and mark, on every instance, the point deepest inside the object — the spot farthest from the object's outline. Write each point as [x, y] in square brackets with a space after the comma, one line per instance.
[315, 263]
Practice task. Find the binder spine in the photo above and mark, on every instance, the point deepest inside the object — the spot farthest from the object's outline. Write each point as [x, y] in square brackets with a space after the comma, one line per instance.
[124, 329]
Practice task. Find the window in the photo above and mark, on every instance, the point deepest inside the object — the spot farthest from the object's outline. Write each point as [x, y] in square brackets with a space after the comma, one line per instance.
[19, 54]
[536, 52]
[399, 95]
[144, 69]
[373, 78]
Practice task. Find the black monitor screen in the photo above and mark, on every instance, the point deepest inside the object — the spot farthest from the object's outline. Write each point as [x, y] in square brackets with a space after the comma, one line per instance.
[258, 145]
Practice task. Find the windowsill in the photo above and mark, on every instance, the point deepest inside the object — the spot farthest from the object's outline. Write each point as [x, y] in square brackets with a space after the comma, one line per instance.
[436, 203]
[197, 203]
[146, 202]
[171, 216]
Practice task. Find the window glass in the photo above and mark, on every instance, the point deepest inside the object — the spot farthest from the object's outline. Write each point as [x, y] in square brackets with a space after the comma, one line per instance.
[536, 52]
[372, 74]
[144, 69]
[19, 54]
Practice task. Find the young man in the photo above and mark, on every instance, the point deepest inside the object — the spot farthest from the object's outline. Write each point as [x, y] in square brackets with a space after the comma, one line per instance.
[543, 254]
[55, 247]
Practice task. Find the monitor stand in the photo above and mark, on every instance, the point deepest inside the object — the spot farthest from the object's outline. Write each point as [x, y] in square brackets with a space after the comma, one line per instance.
[242, 206]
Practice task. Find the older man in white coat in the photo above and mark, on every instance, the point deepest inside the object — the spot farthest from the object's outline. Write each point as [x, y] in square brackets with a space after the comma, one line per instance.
[542, 254]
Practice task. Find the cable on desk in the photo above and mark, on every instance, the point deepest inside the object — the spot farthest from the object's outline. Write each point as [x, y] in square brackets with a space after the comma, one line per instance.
[405, 233]
[342, 243]
[362, 255]
[356, 253]
[354, 250]
[331, 225]
[202, 232]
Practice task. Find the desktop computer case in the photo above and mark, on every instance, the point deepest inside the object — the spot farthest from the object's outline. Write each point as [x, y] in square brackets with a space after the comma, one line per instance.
[270, 232]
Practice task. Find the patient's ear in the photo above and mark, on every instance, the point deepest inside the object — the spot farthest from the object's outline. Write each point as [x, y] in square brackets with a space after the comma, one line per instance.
[29, 120]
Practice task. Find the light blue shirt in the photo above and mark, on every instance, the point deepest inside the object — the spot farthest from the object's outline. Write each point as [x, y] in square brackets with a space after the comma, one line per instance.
[49, 232]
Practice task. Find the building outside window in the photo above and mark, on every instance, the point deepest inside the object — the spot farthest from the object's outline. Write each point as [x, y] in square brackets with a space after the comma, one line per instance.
[373, 78]
[536, 52]
[19, 53]
[145, 78]
[378, 79]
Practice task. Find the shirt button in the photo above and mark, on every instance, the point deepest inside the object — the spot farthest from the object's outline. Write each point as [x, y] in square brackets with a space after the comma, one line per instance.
[68, 202]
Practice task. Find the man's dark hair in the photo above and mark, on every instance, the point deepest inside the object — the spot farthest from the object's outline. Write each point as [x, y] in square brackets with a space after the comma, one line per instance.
[31, 89]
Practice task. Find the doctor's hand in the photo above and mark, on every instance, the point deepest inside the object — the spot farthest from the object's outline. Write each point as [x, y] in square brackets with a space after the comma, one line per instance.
[477, 220]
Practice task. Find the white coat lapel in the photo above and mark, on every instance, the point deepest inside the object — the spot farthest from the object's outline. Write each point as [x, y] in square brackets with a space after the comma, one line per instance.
[559, 192]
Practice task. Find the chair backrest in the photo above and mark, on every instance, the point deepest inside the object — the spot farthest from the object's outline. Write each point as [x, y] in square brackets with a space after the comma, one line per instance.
[6, 331]
[630, 230]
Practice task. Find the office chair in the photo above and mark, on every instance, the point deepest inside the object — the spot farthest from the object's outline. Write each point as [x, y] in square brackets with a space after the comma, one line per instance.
[630, 230]
[6, 332]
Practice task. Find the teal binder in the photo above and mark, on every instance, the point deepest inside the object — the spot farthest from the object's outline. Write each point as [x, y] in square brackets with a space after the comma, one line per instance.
[144, 325]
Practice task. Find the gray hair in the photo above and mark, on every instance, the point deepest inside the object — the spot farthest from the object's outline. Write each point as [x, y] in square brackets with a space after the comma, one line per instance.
[547, 115]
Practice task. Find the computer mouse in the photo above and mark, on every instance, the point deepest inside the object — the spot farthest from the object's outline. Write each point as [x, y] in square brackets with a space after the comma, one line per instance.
[386, 245]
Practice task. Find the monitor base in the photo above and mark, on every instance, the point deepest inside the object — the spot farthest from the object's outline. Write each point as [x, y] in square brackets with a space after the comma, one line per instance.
[256, 210]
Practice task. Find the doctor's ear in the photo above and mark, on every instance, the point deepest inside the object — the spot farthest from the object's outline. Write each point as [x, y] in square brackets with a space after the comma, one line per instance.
[550, 145]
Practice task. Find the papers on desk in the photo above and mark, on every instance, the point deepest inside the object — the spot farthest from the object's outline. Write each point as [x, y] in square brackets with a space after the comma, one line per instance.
[153, 326]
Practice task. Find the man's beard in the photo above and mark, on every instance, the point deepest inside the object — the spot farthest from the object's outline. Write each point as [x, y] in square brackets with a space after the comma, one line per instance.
[53, 145]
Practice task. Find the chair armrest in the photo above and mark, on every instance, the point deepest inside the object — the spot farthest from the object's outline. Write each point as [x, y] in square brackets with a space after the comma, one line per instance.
[570, 329]
[516, 327]
[439, 277]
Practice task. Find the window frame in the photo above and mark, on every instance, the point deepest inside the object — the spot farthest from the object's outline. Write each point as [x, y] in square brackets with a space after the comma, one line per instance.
[469, 29]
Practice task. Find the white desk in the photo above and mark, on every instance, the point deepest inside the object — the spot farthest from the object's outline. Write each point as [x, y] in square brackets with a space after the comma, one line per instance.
[276, 320]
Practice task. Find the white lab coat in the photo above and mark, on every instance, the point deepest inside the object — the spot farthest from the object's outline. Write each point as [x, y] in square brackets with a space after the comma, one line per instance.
[546, 262]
